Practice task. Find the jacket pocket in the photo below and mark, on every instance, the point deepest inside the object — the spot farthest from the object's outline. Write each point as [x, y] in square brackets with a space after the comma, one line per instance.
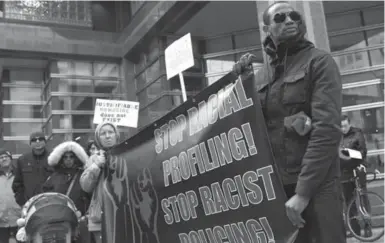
[295, 88]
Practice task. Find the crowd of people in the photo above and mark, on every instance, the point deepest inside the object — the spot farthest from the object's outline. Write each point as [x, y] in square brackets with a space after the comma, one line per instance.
[300, 92]
[69, 169]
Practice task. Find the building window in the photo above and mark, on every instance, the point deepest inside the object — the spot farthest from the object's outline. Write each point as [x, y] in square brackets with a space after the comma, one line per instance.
[74, 87]
[356, 34]
[62, 12]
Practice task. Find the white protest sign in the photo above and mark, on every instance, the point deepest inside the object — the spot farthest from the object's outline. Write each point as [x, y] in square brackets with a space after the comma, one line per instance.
[179, 56]
[119, 112]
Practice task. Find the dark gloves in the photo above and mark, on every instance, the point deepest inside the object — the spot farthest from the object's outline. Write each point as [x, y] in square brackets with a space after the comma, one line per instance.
[299, 123]
[244, 66]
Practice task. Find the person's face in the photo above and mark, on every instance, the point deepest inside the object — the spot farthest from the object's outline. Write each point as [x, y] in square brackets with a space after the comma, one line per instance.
[38, 145]
[93, 149]
[284, 22]
[68, 160]
[108, 137]
[345, 126]
[5, 161]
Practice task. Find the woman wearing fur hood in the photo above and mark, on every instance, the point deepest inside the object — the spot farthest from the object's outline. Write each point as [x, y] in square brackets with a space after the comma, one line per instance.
[68, 160]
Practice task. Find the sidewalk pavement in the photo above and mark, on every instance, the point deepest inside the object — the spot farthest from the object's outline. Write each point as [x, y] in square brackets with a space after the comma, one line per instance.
[354, 240]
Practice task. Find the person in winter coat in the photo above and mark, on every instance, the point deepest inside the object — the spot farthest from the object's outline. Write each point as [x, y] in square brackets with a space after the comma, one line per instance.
[106, 136]
[10, 211]
[68, 160]
[31, 170]
[302, 82]
[92, 148]
[353, 138]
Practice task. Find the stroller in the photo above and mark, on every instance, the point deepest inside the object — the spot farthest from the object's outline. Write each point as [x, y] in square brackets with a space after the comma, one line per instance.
[48, 218]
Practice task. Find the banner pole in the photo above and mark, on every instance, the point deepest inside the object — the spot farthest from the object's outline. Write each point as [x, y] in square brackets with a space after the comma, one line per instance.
[182, 87]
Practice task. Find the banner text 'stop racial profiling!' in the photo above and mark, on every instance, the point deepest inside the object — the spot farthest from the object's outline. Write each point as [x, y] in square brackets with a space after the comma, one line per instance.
[201, 174]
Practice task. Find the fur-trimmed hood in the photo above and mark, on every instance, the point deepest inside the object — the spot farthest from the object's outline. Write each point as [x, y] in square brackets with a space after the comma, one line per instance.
[61, 149]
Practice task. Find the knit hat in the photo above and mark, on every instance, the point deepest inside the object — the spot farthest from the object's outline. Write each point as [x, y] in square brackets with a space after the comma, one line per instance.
[36, 135]
[6, 152]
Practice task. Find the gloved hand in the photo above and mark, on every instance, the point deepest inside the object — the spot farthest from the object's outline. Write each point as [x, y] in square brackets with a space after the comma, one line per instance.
[244, 66]
[300, 123]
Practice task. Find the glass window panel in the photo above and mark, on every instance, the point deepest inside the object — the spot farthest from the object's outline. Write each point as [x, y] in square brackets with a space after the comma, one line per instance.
[82, 103]
[140, 80]
[377, 56]
[72, 85]
[371, 121]
[141, 64]
[155, 89]
[20, 128]
[361, 59]
[82, 121]
[153, 50]
[375, 37]
[25, 76]
[106, 70]
[351, 41]
[213, 79]
[161, 104]
[57, 139]
[60, 67]
[22, 111]
[363, 95]
[343, 21]
[374, 15]
[153, 71]
[17, 147]
[61, 103]
[142, 98]
[375, 162]
[47, 110]
[21, 93]
[191, 83]
[64, 9]
[220, 64]
[61, 122]
[362, 76]
[48, 127]
[82, 68]
[247, 39]
[106, 87]
[144, 118]
[219, 44]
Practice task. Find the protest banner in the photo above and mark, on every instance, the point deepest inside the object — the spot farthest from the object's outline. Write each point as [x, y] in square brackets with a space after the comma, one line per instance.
[179, 57]
[203, 173]
[120, 112]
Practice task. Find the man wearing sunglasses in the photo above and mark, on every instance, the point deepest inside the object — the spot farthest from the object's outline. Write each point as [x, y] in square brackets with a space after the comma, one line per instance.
[31, 170]
[300, 92]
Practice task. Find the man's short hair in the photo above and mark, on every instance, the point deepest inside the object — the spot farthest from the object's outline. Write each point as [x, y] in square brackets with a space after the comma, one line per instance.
[266, 16]
[345, 118]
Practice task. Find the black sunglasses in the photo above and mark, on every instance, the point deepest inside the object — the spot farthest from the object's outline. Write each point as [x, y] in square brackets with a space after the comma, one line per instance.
[281, 17]
[38, 139]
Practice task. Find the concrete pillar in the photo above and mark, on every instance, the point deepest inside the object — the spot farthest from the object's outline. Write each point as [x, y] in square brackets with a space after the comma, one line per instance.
[314, 16]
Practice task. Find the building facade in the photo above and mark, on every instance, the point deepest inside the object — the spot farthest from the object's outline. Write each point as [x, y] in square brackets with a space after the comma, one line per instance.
[58, 57]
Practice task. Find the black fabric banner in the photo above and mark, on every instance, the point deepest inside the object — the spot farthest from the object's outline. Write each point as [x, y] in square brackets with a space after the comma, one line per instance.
[204, 173]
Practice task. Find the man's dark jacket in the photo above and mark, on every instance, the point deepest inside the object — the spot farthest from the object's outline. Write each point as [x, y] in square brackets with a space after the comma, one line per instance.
[302, 78]
[31, 172]
[354, 139]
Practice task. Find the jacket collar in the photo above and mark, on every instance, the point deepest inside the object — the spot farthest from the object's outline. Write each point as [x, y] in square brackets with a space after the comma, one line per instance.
[289, 48]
